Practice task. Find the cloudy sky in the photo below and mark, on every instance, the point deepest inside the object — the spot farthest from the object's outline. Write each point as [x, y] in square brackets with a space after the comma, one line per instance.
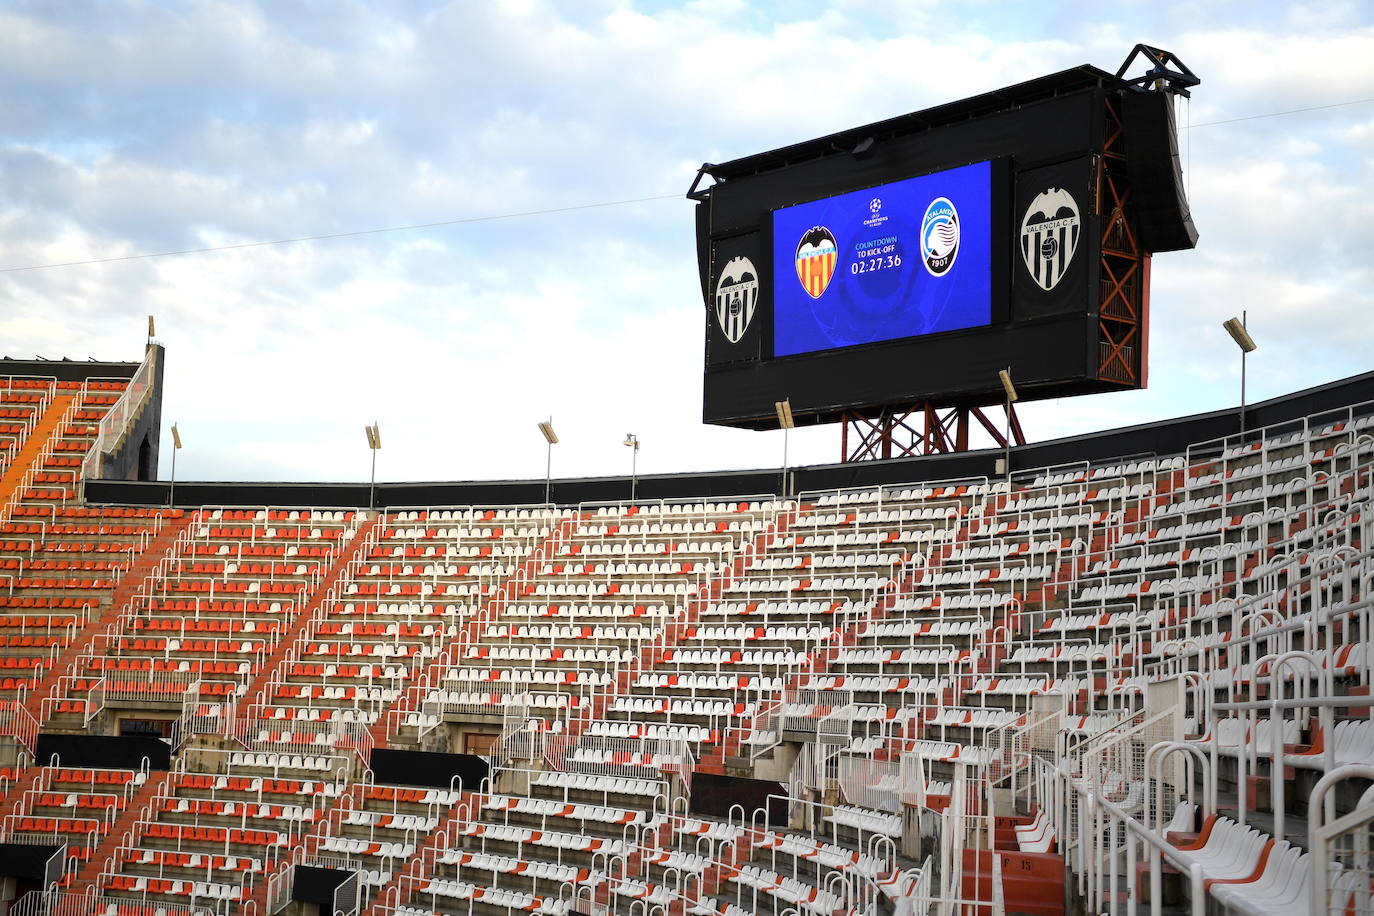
[137, 127]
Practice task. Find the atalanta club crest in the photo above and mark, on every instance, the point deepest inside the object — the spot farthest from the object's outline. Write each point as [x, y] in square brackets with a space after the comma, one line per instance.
[940, 236]
[816, 256]
[737, 291]
[1049, 236]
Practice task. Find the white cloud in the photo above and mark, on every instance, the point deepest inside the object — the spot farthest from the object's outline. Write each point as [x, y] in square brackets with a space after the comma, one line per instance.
[135, 128]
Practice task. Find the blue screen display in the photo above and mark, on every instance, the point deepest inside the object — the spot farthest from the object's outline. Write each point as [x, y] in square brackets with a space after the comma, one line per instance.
[897, 260]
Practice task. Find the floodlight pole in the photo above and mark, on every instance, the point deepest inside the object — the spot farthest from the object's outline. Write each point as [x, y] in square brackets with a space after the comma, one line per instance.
[632, 441]
[372, 484]
[1236, 328]
[550, 439]
[176, 447]
[786, 489]
[1009, 387]
[548, 471]
[1006, 457]
[784, 411]
[1243, 354]
[374, 442]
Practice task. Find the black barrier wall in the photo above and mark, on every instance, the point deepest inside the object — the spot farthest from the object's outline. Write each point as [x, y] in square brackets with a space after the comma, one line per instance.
[67, 370]
[25, 860]
[317, 885]
[1168, 437]
[429, 769]
[104, 751]
[714, 795]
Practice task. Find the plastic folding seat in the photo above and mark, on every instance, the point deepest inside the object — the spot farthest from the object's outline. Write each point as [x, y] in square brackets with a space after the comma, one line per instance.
[1229, 851]
[1283, 887]
[1037, 836]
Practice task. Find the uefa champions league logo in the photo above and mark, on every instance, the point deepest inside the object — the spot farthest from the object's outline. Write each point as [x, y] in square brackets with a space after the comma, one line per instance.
[875, 208]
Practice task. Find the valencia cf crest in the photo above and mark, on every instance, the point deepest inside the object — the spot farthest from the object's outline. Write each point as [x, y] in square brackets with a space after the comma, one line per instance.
[816, 256]
[1049, 236]
[737, 292]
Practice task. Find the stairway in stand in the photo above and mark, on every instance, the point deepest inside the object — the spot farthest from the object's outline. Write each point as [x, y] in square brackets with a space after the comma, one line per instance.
[653, 653]
[818, 661]
[390, 722]
[306, 847]
[123, 605]
[120, 832]
[48, 427]
[402, 884]
[350, 556]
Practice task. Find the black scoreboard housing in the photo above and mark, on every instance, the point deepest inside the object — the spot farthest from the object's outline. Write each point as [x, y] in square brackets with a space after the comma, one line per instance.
[1049, 132]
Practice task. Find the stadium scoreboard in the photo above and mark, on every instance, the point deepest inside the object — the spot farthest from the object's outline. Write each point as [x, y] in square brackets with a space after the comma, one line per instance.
[908, 261]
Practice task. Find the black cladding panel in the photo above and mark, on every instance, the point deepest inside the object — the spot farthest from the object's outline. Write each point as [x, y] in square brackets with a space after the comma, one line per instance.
[945, 368]
[703, 232]
[1055, 264]
[1041, 132]
[1166, 222]
[737, 323]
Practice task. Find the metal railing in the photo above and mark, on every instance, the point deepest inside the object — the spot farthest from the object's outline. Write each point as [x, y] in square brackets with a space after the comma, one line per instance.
[121, 416]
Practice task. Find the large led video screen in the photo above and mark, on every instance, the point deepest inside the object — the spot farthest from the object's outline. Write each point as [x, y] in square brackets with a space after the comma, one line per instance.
[902, 259]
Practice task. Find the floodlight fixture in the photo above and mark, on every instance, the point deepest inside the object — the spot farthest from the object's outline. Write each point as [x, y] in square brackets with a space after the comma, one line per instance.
[550, 440]
[784, 409]
[1236, 328]
[1005, 376]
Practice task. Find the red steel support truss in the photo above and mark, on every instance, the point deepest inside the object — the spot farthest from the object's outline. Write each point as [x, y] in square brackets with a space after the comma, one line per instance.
[1123, 320]
[1122, 333]
[923, 429]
